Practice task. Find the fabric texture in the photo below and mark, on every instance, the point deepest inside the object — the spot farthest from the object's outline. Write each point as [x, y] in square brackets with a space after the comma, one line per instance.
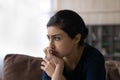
[112, 70]
[90, 67]
[21, 67]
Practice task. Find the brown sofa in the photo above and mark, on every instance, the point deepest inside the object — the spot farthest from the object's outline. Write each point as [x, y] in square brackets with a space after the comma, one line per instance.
[21, 67]
[24, 67]
[112, 70]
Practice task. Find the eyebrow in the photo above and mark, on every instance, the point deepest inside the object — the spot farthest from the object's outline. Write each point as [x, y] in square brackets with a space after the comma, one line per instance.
[54, 35]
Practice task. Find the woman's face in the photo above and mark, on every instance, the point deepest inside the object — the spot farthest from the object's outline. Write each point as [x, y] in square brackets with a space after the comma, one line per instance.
[60, 41]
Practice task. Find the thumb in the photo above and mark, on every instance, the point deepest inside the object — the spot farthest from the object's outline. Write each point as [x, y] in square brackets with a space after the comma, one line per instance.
[49, 54]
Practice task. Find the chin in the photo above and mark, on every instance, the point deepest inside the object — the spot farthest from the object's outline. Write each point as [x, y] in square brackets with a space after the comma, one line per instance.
[59, 56]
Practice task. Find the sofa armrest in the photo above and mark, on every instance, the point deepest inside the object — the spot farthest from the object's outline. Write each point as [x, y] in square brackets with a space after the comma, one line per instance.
[21, 67]
[112, 70]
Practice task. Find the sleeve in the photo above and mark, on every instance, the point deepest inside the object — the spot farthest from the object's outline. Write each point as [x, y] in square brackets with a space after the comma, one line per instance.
[96, 69]
[45, 76]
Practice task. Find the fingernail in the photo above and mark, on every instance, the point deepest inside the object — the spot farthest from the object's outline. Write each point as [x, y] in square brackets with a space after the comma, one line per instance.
[50, 51]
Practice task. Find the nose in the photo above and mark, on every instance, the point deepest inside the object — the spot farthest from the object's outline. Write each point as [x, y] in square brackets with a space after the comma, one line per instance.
[51, 44]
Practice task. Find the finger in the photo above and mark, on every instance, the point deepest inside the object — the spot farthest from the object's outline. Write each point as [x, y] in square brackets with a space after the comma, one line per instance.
[45, 50]
[46, 60]
[43, 63]
[49, 52]
[43, 68]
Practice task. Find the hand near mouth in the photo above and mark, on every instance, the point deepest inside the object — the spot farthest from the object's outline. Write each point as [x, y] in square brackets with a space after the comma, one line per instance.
[52, 64]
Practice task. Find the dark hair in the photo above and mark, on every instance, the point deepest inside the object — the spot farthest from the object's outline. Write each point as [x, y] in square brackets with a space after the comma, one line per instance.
[70, 22]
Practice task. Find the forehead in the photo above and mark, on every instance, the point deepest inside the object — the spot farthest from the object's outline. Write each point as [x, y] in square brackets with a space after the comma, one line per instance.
[55, 30]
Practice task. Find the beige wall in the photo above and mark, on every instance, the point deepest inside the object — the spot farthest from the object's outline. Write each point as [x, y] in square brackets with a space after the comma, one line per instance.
[93, 11]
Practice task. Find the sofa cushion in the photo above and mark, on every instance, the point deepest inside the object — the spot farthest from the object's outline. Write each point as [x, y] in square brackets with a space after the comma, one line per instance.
[112, 70]
[21, 67]
[24, 67]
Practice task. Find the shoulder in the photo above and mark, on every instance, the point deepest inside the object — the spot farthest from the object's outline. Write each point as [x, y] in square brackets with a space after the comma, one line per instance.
[92, 55]
[92, 52]
[94, 64]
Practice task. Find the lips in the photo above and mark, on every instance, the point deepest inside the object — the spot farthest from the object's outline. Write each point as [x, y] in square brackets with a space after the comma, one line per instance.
[53, 52]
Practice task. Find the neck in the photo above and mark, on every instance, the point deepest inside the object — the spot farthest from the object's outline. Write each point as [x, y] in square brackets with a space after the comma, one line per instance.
[72, 60]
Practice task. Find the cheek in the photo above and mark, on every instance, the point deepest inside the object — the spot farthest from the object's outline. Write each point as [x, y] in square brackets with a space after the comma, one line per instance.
[64, 49]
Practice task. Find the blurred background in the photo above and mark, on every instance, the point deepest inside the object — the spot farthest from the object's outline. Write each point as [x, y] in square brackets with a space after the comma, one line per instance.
[23, 25]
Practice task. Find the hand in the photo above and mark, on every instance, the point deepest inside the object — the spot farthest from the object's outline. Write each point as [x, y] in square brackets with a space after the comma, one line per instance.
[48, 67]
[51, 63]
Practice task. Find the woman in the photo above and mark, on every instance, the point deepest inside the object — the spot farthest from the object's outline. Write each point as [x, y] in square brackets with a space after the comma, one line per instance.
[68, 57]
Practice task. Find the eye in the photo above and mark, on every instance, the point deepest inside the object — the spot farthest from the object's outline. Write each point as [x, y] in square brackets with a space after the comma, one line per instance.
[48, 37]
[57, 38]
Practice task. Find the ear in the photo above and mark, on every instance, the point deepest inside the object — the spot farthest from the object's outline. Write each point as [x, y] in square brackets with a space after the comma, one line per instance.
[77, 39]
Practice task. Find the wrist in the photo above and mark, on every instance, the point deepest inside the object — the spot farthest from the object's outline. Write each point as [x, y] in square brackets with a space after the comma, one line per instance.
[58, 73]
